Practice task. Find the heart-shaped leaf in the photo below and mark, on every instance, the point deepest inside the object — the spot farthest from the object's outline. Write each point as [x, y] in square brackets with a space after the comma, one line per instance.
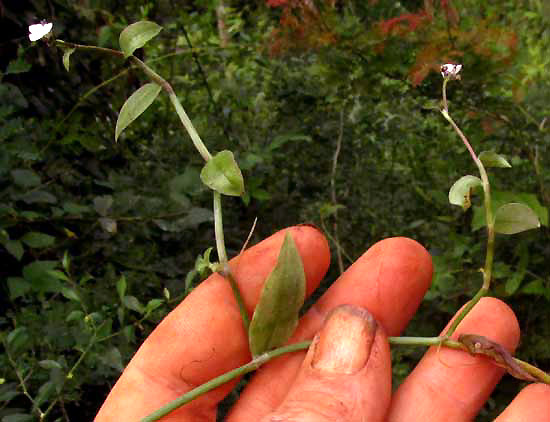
[283, 294]
[138, 102]
[515, 218]
[137, 35]
[492, 159]
[37, 240]
[459, 194]
[222, 174]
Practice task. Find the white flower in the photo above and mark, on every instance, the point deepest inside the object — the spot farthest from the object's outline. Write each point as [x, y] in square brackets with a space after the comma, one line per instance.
[39, 30]
[451, 71]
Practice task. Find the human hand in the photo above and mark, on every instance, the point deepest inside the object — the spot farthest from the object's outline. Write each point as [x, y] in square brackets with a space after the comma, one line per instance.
[346, 374]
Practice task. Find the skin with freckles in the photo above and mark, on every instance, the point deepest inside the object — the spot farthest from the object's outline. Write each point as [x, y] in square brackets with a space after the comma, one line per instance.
[346, 374]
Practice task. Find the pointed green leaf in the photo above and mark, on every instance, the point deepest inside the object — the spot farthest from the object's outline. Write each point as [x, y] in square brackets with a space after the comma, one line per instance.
[60, 275]
[15, 248]
[459, 194]
[50, 364]
[137, 35]
[121, 287]
[514, 218]
[37, 240]
[66, 58]
[132, 302]
[283, 294]
[70, 294]
[222, 174]
[492, 159]
[138, 102]
[25, 178]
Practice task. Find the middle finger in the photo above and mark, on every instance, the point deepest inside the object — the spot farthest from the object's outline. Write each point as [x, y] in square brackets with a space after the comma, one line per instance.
[390, 280]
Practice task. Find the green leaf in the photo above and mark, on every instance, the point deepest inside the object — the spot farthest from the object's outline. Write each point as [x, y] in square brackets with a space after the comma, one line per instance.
[283, 294]
[102, 204]
[113, 359]
[70, 294]
[514, 218]
[44, 392]
[459, 194]
[538, 288]
[193, 219]
[18, 417]
[50, 364]
[131, 302]
[137, 35]
[15, 248]
[121, 287]
[222, 174]
[37, 240]
[492, 159]
[25, 178]
[499, 198]
[66, 57]
[17, 339]
[152, 305]
[60, 275]
[18, 287]
[75, 316]
[134, 106]
[66, 261]
[37, 274]
[75, 209]
[38, 196]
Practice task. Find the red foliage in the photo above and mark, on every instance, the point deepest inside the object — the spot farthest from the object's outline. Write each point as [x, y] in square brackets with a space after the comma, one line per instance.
[412, 21]
[277, 3]
[300, 26]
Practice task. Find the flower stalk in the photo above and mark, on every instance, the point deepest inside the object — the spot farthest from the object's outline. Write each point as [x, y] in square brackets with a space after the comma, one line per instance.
[451, 72]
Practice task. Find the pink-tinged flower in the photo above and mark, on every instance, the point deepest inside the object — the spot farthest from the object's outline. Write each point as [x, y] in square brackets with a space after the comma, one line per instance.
[39, 30]
[451, 71]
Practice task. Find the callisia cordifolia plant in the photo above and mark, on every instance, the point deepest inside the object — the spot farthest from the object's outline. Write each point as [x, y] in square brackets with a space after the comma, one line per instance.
[276, 315]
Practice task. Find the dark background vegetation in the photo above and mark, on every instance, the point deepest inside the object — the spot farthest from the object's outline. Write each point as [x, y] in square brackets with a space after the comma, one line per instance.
[98, 240]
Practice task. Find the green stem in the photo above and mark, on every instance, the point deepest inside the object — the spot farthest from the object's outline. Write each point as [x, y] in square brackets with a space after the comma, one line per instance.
[467, 308]
[416, 341]
[218, 229]
[201, 148]
[489, 256]
[22, 383]
[222, 256]
[222, 379]
[70, 374]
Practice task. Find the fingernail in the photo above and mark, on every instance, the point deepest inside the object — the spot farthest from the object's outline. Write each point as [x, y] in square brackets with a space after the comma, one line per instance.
[344, 343]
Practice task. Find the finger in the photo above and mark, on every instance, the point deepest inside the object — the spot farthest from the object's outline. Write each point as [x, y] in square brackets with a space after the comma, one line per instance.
[346, 375]
[452, 385]
[389, 280]
[204, 336]
[531, 404]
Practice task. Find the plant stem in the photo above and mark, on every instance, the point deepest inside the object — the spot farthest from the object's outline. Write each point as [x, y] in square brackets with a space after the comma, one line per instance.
[222, 379]
[489, 256]
[22, 383]
[70, 374]
[222, 256]
[333, 191]
[201, 148]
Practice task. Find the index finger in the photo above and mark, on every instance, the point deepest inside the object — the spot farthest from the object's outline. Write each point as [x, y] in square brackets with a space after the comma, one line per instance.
[204, 337]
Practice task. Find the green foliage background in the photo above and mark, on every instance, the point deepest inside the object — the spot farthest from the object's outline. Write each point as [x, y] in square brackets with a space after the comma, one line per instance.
[100, 239]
